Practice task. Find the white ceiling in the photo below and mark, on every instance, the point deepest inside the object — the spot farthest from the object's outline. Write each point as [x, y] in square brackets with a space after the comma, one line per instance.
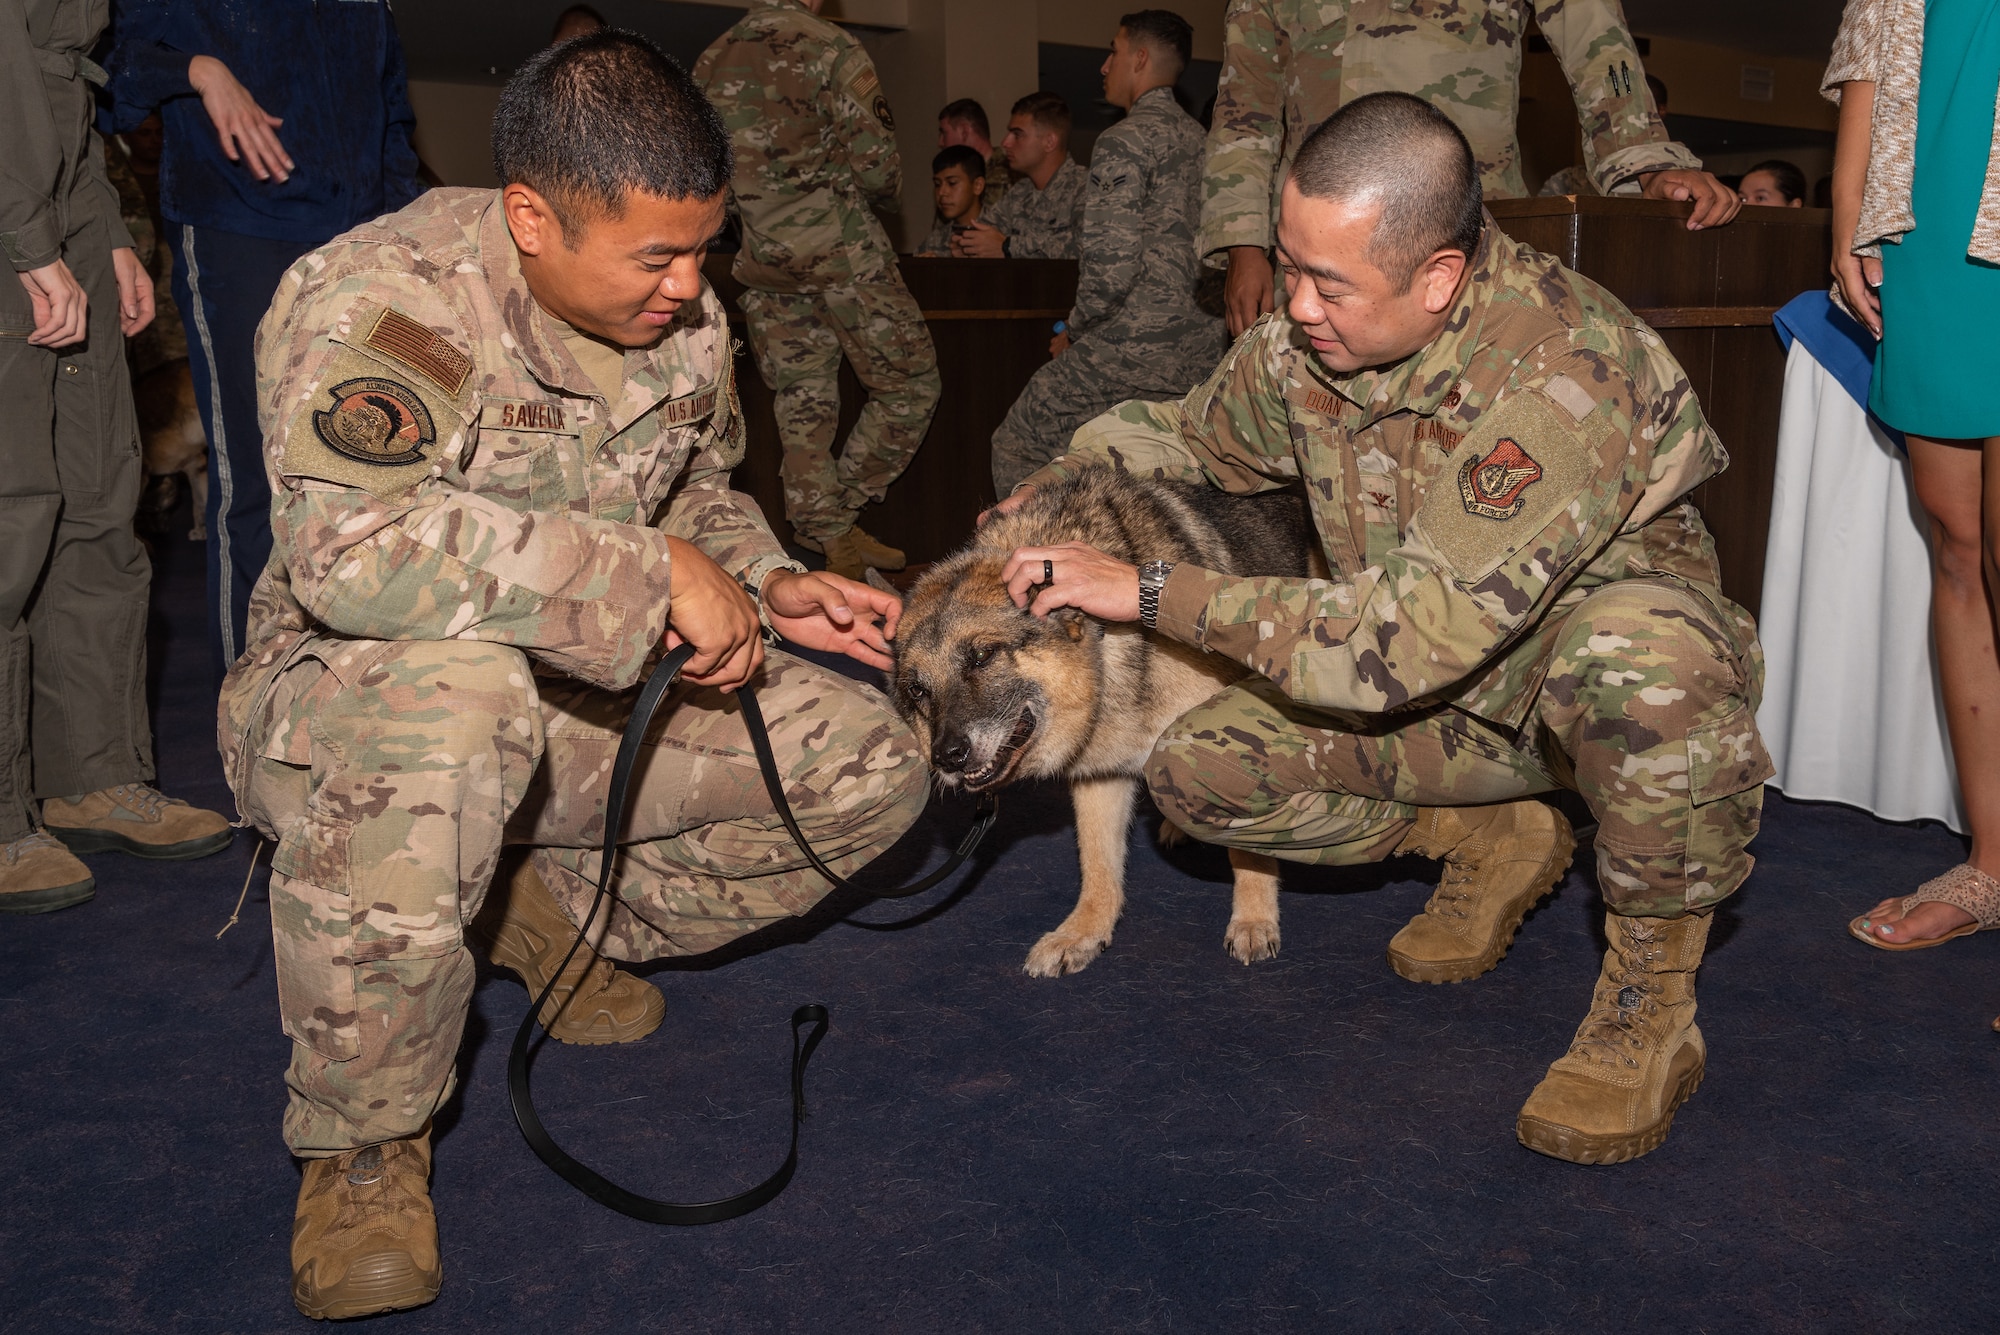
[1802, 28]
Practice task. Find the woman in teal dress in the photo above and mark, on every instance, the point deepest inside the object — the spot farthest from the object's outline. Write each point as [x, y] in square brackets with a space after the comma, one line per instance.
[1917, 258]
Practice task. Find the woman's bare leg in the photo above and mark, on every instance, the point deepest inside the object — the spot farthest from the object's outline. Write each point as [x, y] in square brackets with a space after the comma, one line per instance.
[1958, 488]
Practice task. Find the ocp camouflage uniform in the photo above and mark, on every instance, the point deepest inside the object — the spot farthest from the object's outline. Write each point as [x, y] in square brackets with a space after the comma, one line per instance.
[815, 148]
[999, 176]
[470, 572]
[1135, 328]
[1289, 64]
[1043, 224]
[1522, 598]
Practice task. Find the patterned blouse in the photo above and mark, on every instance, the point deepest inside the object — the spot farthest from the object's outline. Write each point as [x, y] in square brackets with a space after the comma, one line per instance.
[1882, 42]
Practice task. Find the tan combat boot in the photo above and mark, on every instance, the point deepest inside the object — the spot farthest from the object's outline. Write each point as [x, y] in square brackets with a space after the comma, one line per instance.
[39, 875]
[136, 818]
[364, 1239]
[527, 933]
[1636, 1057]
[1498, 861]
[872, 550]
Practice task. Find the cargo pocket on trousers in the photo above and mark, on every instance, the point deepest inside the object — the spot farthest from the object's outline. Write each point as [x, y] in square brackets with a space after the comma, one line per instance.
[1727, 767]
[312, 934]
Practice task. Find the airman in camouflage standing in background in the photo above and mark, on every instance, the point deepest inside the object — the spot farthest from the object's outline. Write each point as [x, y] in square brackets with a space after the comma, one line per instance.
[815, 149]
[1498, 457]
[1289, 64]
[1135, 328]
[499, 426]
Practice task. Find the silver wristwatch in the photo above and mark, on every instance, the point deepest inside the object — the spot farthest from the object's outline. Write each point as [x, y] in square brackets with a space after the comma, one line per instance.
[1152, 579]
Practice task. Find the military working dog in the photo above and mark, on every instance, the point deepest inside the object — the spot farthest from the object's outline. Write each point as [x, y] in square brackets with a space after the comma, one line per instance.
[995, 693]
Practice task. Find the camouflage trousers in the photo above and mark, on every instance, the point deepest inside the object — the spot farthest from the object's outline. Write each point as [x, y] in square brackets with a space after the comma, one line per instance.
[422, 759]
[1644, 712]
[1099, 371]
[799, 339]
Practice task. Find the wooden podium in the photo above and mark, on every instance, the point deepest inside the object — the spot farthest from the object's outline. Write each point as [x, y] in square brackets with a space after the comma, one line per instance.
[1710, 295]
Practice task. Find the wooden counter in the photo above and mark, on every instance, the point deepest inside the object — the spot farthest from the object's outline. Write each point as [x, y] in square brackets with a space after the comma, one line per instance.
[1710, 294]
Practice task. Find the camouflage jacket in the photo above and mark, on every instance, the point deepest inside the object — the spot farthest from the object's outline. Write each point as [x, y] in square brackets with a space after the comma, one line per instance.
[1136, 258]
[441, 468]
[1466, 497]
[999, 176]
[1289, 64]
[815, 149]
[51, 163]
[1043, 224]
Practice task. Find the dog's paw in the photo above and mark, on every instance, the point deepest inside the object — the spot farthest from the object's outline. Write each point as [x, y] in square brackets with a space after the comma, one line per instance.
[1252, 939]
[1062, 952]
[1171, 835]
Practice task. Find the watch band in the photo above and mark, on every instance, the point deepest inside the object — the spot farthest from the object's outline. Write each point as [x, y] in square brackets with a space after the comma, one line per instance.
[1152, 579]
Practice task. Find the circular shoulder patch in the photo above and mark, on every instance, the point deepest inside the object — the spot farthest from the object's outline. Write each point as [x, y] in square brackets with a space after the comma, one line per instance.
[376, 421]
[882, 112]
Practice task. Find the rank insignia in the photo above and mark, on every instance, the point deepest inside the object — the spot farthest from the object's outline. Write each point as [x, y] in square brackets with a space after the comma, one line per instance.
[376, 421]
[1493, 486]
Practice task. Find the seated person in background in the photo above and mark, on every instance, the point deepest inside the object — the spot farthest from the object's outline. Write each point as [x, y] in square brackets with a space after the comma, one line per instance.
[958, 184]
[1776, 184]
[1521, 599]
[1042, 215]
[963, 123]
[1134, 328]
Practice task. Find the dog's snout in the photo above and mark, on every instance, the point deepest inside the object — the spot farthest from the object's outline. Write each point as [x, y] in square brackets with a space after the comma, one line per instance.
[949, 753]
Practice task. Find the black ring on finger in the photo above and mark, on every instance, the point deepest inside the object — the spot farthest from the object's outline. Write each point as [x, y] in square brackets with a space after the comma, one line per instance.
[1048, 571]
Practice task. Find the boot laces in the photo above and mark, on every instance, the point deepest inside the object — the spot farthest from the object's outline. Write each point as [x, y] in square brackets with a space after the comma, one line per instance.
[39, 841]
[143, 798]
[1613, 1034]
[1455, 889]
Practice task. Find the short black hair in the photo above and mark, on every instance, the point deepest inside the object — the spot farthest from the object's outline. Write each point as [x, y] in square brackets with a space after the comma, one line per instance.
[1790, 180]
[967, 111]
[1164, 31]
[587, 121]
[1403, 154]
[1047, 110]
[964, 156]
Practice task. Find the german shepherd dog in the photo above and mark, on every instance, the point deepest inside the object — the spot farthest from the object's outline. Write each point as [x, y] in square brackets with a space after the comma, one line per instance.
[995, 693]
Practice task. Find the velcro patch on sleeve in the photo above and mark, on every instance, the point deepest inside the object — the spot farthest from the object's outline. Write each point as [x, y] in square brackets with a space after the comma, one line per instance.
[1516, 470]
[417, 346]
[368, 426]
[1574, 398]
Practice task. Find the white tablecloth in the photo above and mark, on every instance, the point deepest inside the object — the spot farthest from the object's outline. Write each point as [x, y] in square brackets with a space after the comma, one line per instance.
[1851, 710]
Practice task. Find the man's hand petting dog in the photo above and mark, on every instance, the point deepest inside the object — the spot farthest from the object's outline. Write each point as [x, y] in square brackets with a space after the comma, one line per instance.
[710, 611]
[1085, 579]
[828, 612]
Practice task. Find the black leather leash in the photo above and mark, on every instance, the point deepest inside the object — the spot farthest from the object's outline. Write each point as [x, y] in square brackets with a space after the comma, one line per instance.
[810, 1019]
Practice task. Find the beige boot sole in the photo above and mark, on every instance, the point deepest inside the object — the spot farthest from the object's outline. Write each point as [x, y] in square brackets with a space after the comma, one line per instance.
[1563, 1142]
[1466, 969]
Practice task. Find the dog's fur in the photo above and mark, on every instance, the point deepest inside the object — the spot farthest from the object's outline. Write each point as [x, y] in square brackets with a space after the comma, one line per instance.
[996, 694]
[171, 434]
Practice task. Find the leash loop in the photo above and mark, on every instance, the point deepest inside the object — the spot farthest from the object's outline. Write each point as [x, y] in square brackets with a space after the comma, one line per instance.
[809, 1022]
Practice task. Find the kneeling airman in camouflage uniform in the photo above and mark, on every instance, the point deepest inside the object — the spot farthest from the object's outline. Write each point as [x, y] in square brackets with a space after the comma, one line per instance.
[499, 427]
[1522, 599]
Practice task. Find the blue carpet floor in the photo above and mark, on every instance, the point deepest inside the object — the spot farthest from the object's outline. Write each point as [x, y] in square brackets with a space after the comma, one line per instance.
[1168, 1141]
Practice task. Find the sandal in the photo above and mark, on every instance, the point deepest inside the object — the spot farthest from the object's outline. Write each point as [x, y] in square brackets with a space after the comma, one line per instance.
[1963, 887]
